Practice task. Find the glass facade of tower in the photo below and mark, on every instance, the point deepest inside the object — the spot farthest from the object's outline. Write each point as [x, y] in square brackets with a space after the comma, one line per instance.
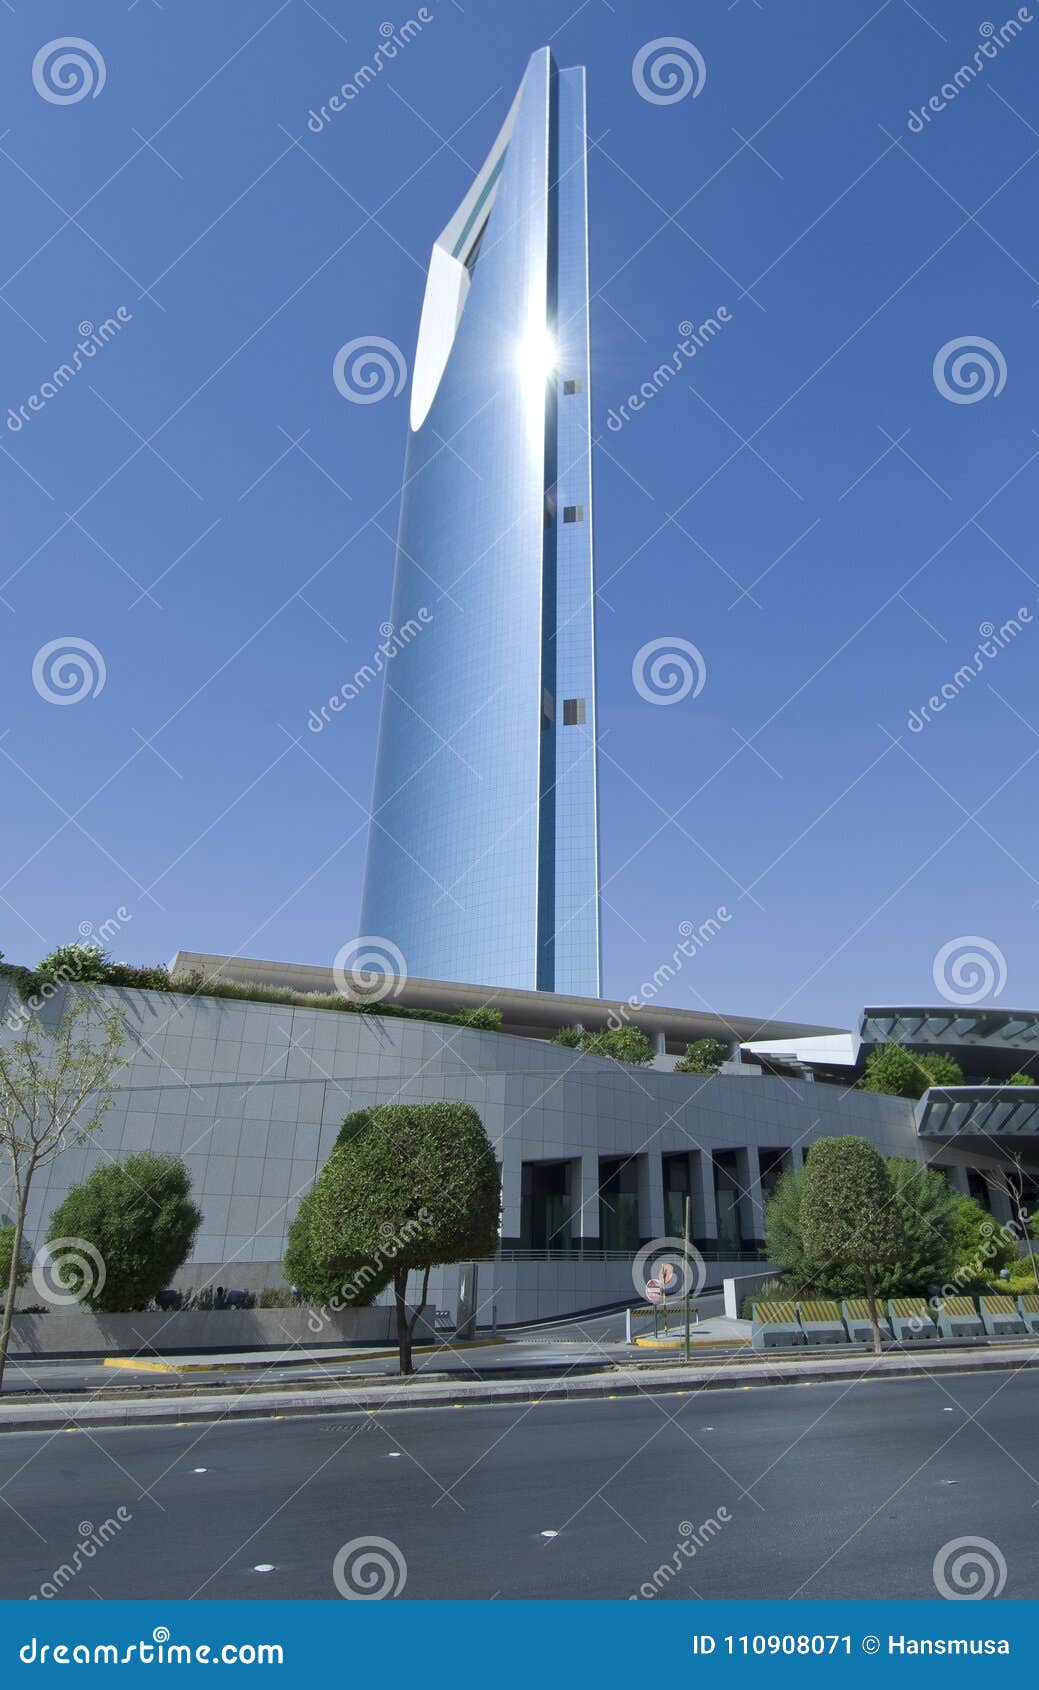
[483, 851]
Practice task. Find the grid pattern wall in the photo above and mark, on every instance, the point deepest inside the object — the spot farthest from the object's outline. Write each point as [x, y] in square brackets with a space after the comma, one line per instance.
[253, 1095]
[453, 859]
[576, 851]
[451, 873]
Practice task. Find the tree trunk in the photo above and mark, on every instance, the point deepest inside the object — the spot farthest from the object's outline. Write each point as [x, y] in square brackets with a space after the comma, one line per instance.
[419, 1306]
[12, 1280]
[400, 1285]
[871, 1298]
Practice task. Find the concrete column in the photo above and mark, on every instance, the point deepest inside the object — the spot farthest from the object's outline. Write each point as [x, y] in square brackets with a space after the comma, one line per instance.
[752, 1208]
[705, 1211]
[586, 1219]
[1001, 1206]
[651, 1196]
[956, 1174]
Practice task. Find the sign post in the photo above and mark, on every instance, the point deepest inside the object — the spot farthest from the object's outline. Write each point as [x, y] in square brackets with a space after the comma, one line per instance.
[687, 1277]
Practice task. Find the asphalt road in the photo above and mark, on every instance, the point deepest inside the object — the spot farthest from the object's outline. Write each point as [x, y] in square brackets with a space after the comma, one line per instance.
[820, 1491]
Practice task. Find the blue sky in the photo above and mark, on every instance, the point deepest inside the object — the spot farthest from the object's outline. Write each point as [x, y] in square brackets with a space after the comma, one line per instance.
[803, 504]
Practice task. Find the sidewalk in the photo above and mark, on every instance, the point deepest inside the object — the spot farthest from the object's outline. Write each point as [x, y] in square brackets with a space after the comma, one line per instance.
[558, 1383]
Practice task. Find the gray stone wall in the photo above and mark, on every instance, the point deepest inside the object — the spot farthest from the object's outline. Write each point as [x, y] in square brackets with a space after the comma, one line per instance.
[253, 1095]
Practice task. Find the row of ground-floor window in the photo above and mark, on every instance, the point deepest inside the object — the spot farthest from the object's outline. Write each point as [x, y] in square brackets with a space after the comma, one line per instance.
[619, 1202]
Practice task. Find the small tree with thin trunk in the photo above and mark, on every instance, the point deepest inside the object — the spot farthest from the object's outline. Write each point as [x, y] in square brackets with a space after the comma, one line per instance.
[1009, 1178]
[847, 1214]
[55, 1086]
[416, 1187]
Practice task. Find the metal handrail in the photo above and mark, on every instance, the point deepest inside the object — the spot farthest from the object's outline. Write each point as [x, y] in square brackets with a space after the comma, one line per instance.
[579, 1253]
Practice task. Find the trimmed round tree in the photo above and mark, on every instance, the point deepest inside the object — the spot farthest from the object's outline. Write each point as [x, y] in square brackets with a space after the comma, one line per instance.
[139, 1216]
[417, 1187]
[327, 1275]
[847, 1214]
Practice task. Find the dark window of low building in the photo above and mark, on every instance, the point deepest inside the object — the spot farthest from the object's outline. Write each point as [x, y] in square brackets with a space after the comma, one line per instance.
[619, 1202]
[547, 1205]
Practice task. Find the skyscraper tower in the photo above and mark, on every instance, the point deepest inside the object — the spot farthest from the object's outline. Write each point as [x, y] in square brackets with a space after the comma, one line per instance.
[483, 846]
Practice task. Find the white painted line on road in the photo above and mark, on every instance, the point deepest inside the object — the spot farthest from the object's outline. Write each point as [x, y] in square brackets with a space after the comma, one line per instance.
[264, 1567]
[550, 1534]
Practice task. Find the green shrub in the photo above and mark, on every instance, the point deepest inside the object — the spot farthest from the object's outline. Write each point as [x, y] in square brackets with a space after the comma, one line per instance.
[24, 1260]
[154, 978]
[353, 1125]
[923, 1210]
[139, 1217]
[276, 1297]
[981, 1243]
[901, 1072]
[703, 1056]
[622, 1044]
[484, 1018]
[85, 963]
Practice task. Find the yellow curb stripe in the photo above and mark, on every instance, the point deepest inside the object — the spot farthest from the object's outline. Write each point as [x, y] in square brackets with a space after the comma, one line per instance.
[135, 1364]
[694, 1344]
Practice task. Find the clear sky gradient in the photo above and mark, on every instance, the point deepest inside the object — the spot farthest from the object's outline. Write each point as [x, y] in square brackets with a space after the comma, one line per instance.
[802, 502]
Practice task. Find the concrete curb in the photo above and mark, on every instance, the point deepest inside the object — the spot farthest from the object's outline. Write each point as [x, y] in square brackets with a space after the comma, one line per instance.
[294, 1358]
[278, 1405]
